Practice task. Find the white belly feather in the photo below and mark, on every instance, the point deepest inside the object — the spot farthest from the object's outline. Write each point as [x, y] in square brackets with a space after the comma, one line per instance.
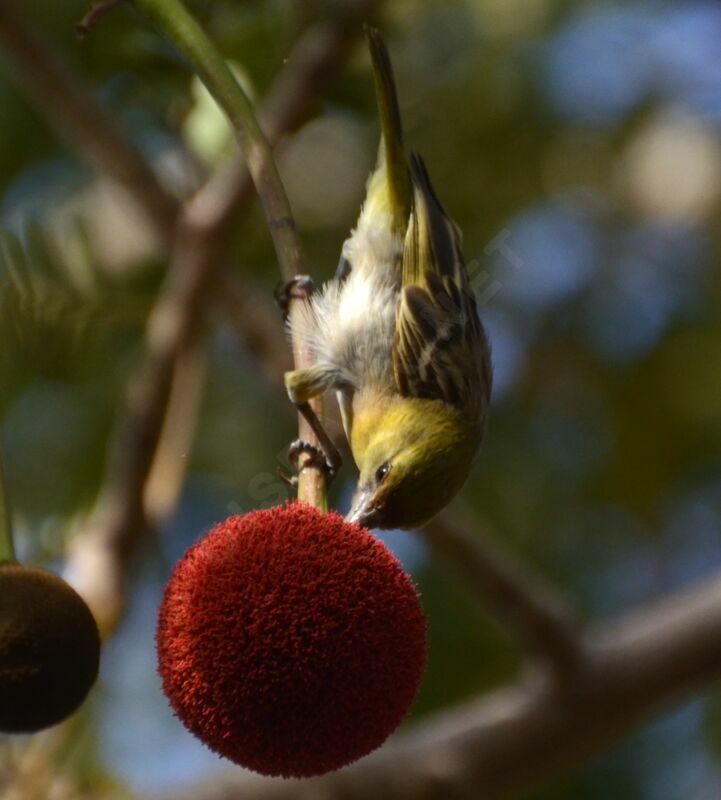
[349, 326]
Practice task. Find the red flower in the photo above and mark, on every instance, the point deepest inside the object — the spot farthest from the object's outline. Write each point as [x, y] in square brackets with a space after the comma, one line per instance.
[290, 641]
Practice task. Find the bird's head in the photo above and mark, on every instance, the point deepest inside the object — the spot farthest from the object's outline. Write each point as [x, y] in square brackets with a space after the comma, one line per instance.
[413, 456]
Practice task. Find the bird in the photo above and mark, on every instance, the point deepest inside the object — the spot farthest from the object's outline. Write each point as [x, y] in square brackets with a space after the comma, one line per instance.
[397, 335]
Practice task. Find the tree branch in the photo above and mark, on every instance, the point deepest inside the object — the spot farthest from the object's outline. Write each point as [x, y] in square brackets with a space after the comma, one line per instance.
[543, 626]
[165, 482]
[517, 735]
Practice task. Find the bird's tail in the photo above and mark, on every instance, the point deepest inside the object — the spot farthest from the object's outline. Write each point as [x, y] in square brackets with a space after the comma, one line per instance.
[392, 175]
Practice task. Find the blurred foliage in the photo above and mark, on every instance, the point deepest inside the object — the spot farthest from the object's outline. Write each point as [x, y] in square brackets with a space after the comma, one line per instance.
[578, 145]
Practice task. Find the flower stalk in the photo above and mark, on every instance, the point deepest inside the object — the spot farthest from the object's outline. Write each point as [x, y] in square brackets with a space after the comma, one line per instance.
[180, 27]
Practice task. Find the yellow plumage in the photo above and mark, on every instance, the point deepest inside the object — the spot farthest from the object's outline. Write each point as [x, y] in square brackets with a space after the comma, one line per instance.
[397, 335]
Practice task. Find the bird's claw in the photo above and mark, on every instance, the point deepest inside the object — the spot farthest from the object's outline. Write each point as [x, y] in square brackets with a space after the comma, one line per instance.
[317, 458]
[300, 287]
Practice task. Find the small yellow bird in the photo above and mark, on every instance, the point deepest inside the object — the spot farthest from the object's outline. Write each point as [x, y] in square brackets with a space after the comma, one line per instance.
[396, 334]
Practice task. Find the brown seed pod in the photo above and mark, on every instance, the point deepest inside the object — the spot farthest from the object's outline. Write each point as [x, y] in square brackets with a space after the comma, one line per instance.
[49, 649]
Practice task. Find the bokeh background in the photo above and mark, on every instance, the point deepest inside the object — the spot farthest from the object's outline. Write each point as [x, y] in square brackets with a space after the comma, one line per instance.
[578, 146]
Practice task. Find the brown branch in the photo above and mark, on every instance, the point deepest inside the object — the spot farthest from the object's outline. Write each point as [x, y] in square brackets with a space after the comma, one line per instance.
[61, 97]
[170, 464]
[637, 665]
[518, 599]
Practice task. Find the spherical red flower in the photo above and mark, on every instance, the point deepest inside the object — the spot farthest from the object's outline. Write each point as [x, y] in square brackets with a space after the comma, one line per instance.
[290, 641]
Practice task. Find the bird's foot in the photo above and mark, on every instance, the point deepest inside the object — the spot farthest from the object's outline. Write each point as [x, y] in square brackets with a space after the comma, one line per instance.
[317, 458]
[300, 287]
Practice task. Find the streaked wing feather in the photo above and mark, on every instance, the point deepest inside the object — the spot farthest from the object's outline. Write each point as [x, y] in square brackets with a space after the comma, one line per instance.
[440, 350]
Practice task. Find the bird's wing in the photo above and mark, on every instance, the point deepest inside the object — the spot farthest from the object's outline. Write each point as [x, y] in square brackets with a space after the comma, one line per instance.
[440, 349]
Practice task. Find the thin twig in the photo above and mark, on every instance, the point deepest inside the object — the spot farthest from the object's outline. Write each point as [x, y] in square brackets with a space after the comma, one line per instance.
[180, 27]
[167, 476]
[639, 664]
[543, 626]
[311, 66]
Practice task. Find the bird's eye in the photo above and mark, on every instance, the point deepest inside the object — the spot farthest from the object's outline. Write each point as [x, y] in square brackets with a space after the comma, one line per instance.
[382, 472]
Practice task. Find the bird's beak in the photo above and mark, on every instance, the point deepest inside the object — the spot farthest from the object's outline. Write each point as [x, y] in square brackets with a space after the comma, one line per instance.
[362, 511]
